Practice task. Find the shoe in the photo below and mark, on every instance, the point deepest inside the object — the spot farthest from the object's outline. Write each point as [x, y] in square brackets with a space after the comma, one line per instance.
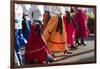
[77, 43]
[83, 44]
[49, 59]
[53, 55]
[68, 52]
[73, 47]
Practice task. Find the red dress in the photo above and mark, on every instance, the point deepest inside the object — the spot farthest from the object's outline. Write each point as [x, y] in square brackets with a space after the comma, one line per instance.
[82, 20]
[35, 48]
[70, 30]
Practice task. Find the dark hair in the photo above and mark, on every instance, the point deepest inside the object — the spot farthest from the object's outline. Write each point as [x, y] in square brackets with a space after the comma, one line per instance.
[68, 18]
[72, 10]
[39, 29]
[59, 25]
[49, 15]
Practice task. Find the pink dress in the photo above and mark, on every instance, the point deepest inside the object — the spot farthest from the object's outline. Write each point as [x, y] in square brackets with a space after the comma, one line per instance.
[70, 30]
[82, 20]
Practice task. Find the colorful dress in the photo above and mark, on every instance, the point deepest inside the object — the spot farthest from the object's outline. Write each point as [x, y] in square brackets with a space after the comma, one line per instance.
[36, 49]
[82, 20]
[70, 29]
[55, 39]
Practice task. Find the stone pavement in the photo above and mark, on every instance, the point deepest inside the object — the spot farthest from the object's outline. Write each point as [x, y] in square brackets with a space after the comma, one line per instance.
[83, 54]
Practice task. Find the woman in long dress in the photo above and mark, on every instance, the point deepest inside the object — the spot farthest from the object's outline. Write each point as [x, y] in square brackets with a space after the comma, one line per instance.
[55, 35]
[82, 32]
[19, 40]
[36, 50]
[70, 29]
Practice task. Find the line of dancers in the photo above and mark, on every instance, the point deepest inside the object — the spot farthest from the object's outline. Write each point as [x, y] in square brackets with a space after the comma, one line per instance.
[43, 33]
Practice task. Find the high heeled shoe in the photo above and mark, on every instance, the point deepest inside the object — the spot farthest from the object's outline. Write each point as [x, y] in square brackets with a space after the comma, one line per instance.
[77, 43]
[68, 52]
[83, 43]
[73, 47]
[50, 59]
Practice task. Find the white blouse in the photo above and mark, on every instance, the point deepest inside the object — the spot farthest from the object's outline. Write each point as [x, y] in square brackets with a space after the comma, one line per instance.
[18, 16]
[37, 14]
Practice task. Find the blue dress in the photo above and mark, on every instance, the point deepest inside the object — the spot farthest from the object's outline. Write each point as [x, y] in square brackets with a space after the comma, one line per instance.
[18, 43]
[19, 39]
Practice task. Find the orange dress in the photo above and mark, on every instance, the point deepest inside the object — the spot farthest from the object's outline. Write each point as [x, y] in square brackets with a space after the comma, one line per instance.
[55, 40]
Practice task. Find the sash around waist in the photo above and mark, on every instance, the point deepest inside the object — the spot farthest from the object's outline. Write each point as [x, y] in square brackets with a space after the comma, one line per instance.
[56, 42]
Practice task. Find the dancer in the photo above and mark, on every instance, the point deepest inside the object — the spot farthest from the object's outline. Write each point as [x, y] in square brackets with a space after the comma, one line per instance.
[55, 34]
[36, 50]
[82, 32]
[70, 29]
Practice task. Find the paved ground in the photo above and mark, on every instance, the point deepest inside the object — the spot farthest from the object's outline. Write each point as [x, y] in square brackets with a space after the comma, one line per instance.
[81, 55]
